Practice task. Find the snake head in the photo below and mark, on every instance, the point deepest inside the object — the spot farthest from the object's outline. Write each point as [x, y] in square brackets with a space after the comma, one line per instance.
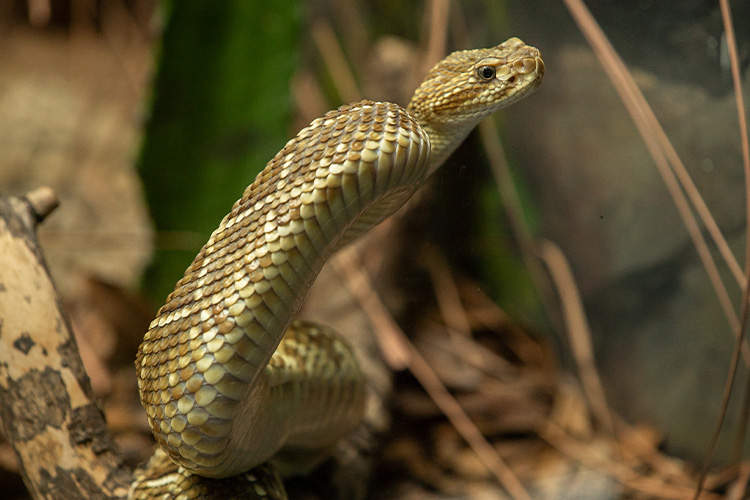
[476, 83]
[468, 85]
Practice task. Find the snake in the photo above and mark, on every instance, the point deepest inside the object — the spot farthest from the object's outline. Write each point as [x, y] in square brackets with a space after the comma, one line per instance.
[236, 389]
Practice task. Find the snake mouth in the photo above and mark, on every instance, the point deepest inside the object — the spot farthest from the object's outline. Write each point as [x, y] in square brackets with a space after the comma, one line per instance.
[533, 77]
[525, 75]
[539, 68]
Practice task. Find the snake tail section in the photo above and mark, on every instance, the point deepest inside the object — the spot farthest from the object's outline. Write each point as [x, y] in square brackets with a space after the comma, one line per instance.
[205, 369]
[161, 478]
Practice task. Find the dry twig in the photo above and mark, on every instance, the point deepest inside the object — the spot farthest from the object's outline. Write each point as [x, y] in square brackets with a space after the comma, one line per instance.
[578, 332]
[49, 411]
[361, 287]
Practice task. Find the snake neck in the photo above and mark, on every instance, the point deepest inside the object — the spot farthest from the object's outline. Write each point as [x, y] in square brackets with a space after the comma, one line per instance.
[444, 140]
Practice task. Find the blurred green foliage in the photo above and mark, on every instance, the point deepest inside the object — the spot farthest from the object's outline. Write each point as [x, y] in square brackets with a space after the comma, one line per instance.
[499, 262]
[221, 109]
[469, 223]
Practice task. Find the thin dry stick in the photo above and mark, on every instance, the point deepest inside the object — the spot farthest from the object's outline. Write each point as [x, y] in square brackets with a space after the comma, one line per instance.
[616, 69]
[436, 43]
[692, 191]
[359, 284]
[573, 315]
[446, 292]
[579, 333]
[726, 16]
[350, 24]
[435, 25]
[478, 356]
[335, 61]
[739, 441]
[737, 489]
[636, 107]
[136, 70]
[505, 186]
[732, 44]
[697, 200]
[39, 12]
[514, 211]
[395, 351]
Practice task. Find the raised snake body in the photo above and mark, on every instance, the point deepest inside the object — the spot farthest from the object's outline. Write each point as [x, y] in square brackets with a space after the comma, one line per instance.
[227, 378]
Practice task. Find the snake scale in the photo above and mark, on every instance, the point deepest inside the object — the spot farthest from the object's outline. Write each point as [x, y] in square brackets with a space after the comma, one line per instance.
[230, 381]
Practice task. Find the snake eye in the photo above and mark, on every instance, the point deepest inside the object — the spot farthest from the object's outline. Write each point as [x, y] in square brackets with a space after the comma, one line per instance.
[486, 72]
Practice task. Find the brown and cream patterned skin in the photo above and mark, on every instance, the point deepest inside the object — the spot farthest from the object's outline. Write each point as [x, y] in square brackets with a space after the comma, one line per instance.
[226, 375]
[173, 482]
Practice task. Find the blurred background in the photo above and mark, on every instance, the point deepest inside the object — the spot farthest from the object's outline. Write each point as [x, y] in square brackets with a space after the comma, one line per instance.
[150, 118]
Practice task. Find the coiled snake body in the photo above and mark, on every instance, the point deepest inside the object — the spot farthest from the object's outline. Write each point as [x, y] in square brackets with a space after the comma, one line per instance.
[227, 377]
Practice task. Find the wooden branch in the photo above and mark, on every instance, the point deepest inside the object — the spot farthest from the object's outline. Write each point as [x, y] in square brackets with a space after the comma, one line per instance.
[47, 406]
[48, 409]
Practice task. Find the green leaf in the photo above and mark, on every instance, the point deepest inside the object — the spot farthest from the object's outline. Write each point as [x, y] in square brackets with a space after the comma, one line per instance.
[221, 110]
